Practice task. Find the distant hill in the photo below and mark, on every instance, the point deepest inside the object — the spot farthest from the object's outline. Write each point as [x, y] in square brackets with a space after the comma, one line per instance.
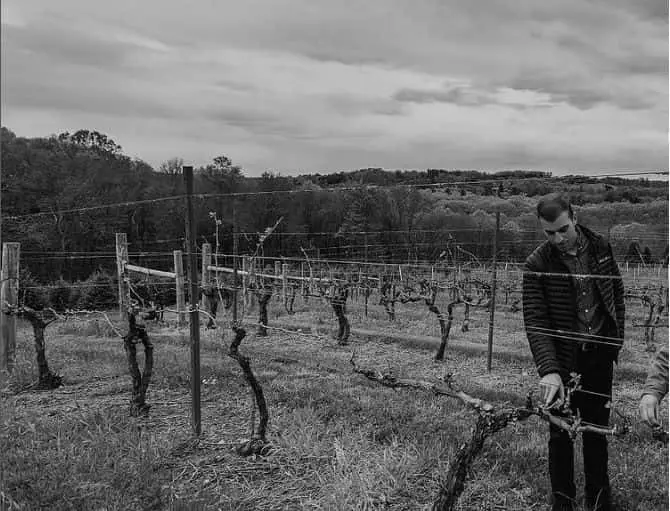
[381, 215]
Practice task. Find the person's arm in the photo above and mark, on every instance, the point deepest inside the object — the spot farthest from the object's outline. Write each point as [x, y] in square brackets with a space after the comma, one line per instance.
[655, 388]
[537, 325]
[657, 377]
[536, 322]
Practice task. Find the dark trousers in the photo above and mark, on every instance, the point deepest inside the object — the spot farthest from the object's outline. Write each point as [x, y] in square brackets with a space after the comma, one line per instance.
[596, 371]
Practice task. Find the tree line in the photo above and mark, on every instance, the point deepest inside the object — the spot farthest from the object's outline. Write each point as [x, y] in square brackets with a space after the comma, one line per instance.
[365, 214]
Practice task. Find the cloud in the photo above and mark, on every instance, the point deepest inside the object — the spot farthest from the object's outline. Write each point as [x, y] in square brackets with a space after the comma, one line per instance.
[71, 46]
[648, 10]
[358, 104]
[41, 96]
[75, 74]
[573, 91]
[468, 96]
[289, 84]
[456, 95]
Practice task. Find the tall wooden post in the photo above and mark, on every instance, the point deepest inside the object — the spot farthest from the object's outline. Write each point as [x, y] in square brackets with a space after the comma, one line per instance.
[494, 278]
[312, 288]
[252, 278]
[365, 238]
[302, 281]
[9, 294]
[121, 260]
[192, 266]
[179, 283]
[245, 282]
[236, 242]
[284, 282]
[205, 273]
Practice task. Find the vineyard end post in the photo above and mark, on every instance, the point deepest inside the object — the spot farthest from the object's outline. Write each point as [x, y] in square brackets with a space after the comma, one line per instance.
[179, 284]
[9, 293]
[494, 279]
[194, 313]
[121, 260]
[205, 273]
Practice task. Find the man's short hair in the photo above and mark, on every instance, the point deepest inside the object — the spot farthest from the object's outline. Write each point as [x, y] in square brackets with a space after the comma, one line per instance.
[551, 206]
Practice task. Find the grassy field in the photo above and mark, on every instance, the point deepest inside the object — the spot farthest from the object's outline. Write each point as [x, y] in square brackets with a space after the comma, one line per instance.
[340, 441]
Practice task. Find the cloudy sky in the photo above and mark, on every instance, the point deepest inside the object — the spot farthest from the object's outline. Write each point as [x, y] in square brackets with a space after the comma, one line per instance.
[569, 86]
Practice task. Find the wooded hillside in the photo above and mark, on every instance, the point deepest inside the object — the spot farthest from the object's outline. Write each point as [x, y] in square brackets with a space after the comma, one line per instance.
[391, 216]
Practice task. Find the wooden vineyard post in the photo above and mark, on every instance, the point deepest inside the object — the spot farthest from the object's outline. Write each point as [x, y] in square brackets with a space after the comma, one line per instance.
[121, 260]
[494, 278]
[191, 261]
[9, 295]
[251, 279]
[284, 283]
[206, 275]
[245, 282]
[179, 282]
[236, 253]
[311, 290]
[302, 281]
[358, 287]
[277, 273]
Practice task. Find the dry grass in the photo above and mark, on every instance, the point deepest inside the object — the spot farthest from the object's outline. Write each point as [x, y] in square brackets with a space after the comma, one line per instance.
[339, 441]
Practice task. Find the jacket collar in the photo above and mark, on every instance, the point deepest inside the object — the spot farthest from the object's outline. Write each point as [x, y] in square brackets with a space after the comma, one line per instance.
[597, 243]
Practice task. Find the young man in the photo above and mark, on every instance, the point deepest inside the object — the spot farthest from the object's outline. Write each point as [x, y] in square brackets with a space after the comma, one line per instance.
[573, 309]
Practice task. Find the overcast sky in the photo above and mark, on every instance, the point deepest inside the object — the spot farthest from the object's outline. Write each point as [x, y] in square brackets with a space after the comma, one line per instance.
[304, 86]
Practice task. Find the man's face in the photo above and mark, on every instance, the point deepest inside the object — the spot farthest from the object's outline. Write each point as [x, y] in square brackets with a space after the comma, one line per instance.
[561, 232]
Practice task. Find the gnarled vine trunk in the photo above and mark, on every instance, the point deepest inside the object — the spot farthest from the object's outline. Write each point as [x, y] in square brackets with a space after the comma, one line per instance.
[47, 379]
[445, 329]
[454, 482]
[339, 304]
[264, 294]
[258, 443]
[137, 333]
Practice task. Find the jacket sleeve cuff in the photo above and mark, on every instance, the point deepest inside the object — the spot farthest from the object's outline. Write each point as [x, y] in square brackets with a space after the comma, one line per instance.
[548, 369]
[657, 394]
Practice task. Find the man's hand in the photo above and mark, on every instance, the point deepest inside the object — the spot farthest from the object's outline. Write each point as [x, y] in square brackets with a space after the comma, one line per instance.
[552, 386]
[649, 409]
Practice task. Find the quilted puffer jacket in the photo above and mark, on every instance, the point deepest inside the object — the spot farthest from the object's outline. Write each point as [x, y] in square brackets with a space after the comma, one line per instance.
[549, 311]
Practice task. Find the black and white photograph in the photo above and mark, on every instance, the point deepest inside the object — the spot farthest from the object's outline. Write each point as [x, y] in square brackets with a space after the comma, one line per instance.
[311, 255]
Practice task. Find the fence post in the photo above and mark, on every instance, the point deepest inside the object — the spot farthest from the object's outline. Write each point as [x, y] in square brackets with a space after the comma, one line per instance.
[302, 281]
[206, 274]
[121, 260]
[245, 282]
[179, 282]
[284, 282]
[360, 283]
[493, 293]
[9, 293]
[311, 290]
[251, 279]
[236, 265]
[194, 314]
